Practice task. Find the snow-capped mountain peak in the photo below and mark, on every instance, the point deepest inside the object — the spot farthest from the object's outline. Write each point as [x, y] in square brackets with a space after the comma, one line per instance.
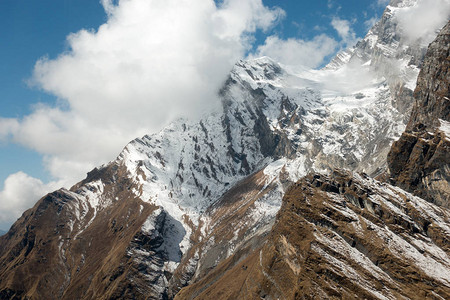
[200, 195]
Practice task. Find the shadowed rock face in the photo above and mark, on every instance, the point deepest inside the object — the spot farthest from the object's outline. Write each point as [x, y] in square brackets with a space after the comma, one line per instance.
[65, 248]
[419, 161]
[432, 95]
[342, 236]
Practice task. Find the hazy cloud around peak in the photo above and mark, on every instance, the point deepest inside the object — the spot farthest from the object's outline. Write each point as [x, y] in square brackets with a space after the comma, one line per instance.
[297, 52]
[150, 62]
[423, 20]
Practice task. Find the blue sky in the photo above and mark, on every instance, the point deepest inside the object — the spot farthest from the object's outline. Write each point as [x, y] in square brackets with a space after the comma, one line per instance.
[31, 30]
[305, 19]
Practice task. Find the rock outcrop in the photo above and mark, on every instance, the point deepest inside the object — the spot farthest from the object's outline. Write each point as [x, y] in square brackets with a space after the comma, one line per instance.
[419, 161]
[432, 94]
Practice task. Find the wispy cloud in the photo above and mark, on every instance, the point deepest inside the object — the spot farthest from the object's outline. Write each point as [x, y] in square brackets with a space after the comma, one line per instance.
[345, 31]
[383, 2]
[422, 21]
[370, 22]
[297, 52]
[309, 53]
[330, 4]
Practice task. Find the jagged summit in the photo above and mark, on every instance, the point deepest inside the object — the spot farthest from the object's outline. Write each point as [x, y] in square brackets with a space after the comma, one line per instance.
[388, 53]
[385, 40]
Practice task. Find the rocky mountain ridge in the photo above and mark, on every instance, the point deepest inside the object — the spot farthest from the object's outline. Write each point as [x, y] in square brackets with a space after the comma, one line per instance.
[341, 236]
[174, 206]
[345, 235]
[419, 161]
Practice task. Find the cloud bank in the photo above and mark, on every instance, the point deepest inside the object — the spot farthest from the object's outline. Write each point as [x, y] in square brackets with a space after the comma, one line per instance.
[308, 53]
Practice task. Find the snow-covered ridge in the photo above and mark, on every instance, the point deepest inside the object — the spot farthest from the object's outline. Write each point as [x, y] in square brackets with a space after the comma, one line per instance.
[324, 121]
[269, 113]
[348, 236]
[418, 249]
[386, 50]
[286, 120]
[413, 245]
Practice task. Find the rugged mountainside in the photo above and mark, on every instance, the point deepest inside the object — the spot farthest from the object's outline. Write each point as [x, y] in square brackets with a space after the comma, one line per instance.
[389, 55]
[72, 244]
[198, 198]
[432, 103]
[342, 236]
[419, 161]
[345, 235]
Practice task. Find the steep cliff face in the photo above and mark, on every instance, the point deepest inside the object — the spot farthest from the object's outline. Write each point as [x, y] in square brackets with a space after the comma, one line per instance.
[342, 236]
[432, 95]
[419, 161]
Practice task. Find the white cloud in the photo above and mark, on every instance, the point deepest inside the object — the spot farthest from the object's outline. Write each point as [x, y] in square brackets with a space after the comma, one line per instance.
[383, 2]
[344, 31]
[7, 126]
[298, 52]
[237, 17]
[152, 61]
[370, 22]
[347, 79]
[20, 193]
[424, 19]
[108, 5]
[330, 4]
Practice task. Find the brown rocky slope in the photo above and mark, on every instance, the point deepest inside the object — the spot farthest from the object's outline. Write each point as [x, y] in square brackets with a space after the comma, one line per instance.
[342, 236]
[63, 248]
[345, 236]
